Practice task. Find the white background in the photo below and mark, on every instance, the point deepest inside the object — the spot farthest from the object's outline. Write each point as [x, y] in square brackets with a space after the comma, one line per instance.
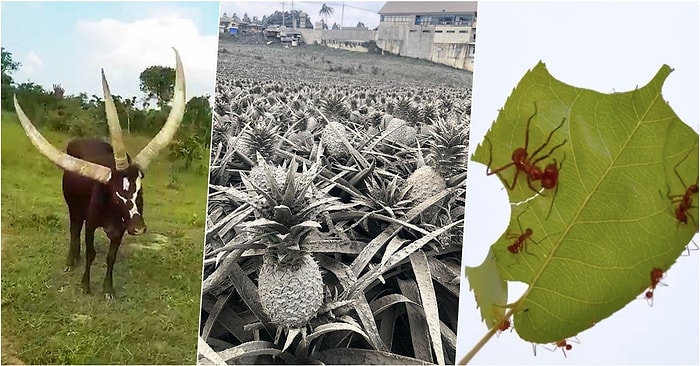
[601, 46]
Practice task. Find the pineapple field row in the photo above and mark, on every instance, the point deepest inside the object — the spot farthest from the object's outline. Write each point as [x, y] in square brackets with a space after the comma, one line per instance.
[336, 208]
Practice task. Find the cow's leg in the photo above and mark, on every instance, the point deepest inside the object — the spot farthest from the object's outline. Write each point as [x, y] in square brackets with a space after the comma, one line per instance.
[115, 239]
[76, 226]
[89, 256]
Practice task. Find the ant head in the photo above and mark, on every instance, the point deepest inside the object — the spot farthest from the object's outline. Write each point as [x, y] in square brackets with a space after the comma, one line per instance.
[649, 294]
[569, 347]
[519, 155]
[528, 231]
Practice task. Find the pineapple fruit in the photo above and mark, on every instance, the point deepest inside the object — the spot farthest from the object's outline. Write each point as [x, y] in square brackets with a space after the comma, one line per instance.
[291, 290]
[333, 143]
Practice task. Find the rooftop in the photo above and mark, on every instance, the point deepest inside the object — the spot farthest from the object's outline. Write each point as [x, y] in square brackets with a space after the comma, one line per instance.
[427, 7]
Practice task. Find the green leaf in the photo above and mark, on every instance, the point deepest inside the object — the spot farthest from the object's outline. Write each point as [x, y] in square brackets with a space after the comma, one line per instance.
[489, 289]
[611, 221]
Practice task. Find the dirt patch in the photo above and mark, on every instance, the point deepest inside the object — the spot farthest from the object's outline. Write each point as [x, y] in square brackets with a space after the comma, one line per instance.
[9, 352]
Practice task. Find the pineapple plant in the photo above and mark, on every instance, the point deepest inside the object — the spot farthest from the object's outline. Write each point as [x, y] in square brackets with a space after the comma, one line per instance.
[290, 284]
[260, 137]
[446, 160]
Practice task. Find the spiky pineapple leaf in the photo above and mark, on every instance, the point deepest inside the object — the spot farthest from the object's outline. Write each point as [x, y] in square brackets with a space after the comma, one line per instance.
[356, 356]
[611, 221]
[387, 301]
[428, 298]
[255, 348]
[334, 327]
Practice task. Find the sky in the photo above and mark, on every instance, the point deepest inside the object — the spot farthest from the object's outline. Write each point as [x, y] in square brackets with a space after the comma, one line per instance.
[355, 11]
[601, 46]
[67, 43]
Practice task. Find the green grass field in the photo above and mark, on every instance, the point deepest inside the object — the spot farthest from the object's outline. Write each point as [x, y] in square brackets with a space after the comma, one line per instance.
[157, 277]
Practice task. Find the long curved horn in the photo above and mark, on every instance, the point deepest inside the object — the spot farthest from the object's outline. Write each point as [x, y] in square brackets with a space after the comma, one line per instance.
[64, 161]
[115, 129]
[166, 134]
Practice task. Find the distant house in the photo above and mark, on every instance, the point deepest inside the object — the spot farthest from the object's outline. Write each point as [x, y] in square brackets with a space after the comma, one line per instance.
[225, 23]
[440, 31]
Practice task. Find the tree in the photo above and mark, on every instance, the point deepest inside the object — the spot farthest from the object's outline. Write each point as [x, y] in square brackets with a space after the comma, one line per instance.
[246, 18]
[193, 137]
[157, 82]
[335, 26]
[360, 25]
[326, 11]
[129, 105]
[8, 67]
[256, 20]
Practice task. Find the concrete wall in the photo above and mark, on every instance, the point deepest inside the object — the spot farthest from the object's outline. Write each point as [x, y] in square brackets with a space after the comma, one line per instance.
[339, 35]
[447, 45]
[452, 46]
[419, 42]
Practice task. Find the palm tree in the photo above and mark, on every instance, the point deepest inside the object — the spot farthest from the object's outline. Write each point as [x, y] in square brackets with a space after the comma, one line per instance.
[325, 12]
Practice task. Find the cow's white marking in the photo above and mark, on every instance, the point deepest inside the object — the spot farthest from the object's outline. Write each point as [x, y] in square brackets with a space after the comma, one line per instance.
[126, 184]
[134, 210]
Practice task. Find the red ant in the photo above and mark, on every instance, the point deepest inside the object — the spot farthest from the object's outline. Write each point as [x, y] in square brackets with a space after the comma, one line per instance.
[655, 276]
[563, 344]
[685, 201]
[526, 163]
[503, 326]
[520, 243]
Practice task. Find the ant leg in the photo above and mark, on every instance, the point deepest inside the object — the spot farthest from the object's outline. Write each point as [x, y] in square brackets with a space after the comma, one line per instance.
[549, 138]
[517, 218]
[675, 168]
[497, 171]
[529, 184]
[556, 190]
[688, 250]
[527, 126]
[548, 154]
[551, 204]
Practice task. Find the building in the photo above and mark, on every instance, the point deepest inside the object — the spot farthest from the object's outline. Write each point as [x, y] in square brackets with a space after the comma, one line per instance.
[440, 31]
[226, 23]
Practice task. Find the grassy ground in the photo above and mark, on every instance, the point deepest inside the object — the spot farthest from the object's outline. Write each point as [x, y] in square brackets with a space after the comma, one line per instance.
[157, 277]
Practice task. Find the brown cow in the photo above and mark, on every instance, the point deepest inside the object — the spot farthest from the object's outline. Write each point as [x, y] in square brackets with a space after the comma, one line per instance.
[101, 183]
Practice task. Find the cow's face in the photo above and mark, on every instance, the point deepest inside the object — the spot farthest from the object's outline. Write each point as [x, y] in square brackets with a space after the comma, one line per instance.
[126, 195]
